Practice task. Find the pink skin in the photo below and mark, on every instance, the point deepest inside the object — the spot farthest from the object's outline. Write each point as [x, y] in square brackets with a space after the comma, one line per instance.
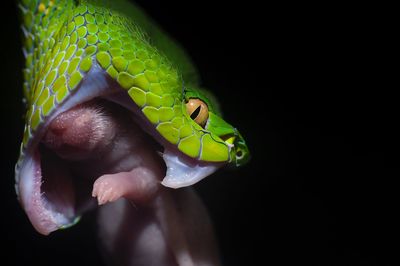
[105, 145]
[148, 224]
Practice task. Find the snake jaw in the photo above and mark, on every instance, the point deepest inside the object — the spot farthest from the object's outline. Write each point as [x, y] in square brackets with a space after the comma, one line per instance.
[182, 172]
[48, 196]
[43, 217]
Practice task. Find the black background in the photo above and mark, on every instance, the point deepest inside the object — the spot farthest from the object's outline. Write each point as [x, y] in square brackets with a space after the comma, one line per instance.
[312, 90]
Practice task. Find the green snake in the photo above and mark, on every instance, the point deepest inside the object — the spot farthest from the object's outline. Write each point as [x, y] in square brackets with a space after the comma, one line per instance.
[72, 48]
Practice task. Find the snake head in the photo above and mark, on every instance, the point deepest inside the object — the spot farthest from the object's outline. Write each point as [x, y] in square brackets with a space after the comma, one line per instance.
[204, 136]
[224, 142]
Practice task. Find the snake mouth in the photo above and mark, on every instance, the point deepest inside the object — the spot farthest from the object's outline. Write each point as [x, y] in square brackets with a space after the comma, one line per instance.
[56, 174]
[51, 197]
[76, 148]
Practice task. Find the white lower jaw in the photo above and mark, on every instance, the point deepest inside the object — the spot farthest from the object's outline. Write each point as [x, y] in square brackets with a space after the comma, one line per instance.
[39, 210]
[182, 172]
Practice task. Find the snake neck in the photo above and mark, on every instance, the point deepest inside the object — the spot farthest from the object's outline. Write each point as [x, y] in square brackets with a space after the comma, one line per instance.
[41, 20]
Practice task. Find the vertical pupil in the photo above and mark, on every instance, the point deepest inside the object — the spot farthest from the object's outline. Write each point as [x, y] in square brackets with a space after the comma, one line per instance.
[195, 113]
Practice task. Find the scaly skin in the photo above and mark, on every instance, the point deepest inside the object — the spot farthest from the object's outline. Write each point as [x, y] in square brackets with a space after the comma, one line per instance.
[66, 41]
[63, 40]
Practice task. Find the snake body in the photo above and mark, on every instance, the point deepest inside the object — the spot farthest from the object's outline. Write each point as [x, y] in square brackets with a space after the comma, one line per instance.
[74, 50]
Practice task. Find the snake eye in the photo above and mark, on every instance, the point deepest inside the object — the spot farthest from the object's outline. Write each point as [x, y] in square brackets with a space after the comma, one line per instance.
[198, 111]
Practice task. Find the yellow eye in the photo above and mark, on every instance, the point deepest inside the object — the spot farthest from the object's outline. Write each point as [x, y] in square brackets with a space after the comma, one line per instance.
[198, 111]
